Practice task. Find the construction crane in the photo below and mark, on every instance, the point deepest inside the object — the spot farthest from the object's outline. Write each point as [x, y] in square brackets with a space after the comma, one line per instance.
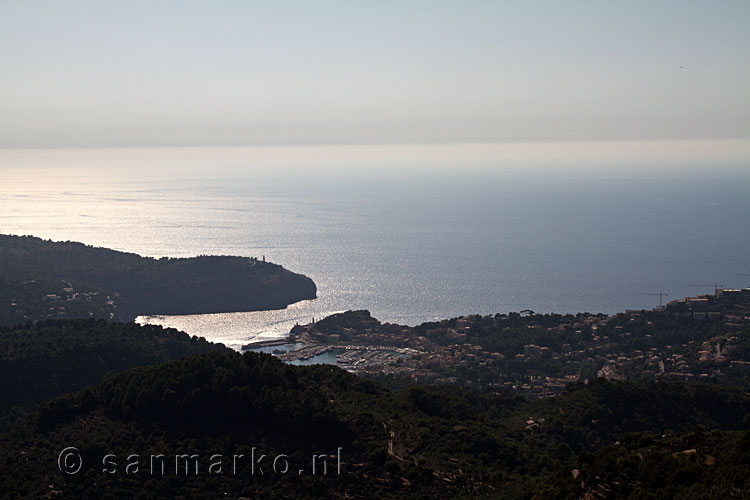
[715, 285]
[660, 294]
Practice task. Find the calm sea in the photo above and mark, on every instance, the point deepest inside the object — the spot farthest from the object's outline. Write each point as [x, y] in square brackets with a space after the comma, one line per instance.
[412, 233]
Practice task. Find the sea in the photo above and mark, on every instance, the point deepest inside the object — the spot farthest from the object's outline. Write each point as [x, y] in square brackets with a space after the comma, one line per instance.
[412, 233]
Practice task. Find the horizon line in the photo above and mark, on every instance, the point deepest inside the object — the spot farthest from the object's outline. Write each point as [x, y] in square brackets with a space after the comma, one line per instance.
[392, 143]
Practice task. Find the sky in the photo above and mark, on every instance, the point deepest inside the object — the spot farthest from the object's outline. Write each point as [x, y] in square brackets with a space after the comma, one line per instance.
[231, 73]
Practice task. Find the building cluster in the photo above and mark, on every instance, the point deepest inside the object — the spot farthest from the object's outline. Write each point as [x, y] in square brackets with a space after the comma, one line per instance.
[60, 304]
[626, 346]
[730, 305]
[58, 299]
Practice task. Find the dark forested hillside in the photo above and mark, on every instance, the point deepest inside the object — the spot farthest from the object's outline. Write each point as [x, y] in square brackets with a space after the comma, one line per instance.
[418, 442]
[43, 360]
[155, 414]
[43, 279]
[695, 465]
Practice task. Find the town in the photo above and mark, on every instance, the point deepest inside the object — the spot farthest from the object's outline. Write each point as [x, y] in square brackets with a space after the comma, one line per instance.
[694, 338]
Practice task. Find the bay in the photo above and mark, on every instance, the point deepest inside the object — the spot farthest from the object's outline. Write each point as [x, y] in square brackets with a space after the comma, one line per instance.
[414, 233]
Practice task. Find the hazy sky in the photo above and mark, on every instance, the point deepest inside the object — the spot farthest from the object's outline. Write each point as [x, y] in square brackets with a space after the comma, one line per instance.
[145, 73]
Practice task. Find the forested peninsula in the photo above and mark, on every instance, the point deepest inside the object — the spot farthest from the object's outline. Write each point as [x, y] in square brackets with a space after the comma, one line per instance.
[42, 279]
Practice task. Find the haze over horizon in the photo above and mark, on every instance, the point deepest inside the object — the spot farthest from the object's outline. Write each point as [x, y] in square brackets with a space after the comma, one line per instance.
[139, 74]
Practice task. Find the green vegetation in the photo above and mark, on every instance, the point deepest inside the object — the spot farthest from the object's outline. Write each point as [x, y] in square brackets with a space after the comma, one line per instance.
[693, 465]
[415, 442]
[131, 392]
[50, 358]
[42, 279]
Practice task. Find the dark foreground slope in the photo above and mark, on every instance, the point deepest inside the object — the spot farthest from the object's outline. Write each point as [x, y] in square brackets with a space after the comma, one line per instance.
[50, 358]
[224, 410]
[43, 279]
